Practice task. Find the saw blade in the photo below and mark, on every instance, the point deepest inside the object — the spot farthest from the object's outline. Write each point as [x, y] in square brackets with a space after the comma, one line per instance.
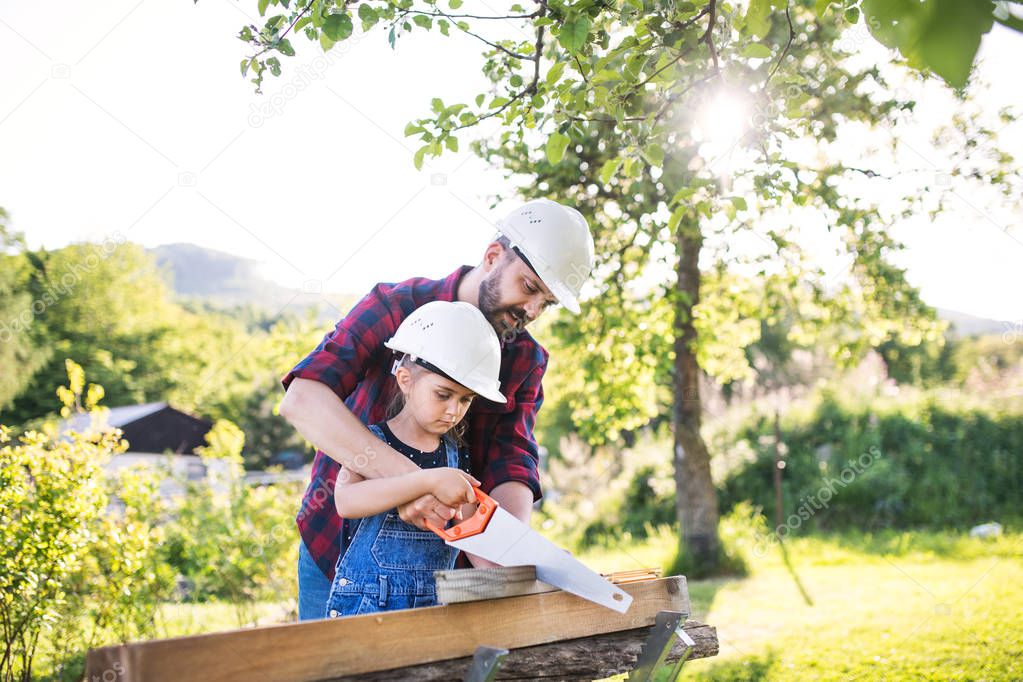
[510, 542]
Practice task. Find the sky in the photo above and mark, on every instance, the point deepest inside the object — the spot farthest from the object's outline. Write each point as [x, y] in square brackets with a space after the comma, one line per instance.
[130, 120]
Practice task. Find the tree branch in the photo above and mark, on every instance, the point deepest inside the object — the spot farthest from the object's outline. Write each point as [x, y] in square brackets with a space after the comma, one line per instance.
[294, 21]
[529, 89]
[438, 13]
[708, 35]
[781, 57]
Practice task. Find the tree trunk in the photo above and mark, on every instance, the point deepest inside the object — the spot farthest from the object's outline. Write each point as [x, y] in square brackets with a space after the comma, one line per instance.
[696, 503]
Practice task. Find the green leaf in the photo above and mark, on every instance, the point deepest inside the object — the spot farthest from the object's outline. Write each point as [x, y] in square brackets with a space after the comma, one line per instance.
[368, 15]
[262, 5]
[608, 170]
[454, 4]
[452, 144]
[337, 27]
[756, 51]
[940, 35]
[950, 39]
[417, 159]
[556, 145]
[422, 21]
[758, 17]
[574, 33]
[555, 73]
[325, 42]
[284, 47]
[630, 169]
[738, 202]
[412, 129]
[676, 217]
[683, 194]
[653, 154]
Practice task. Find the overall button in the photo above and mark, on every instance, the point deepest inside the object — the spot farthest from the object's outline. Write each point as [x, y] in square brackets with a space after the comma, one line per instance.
[334, 613]
[342, 581]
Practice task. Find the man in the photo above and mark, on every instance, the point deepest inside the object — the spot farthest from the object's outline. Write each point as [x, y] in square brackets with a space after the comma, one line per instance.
[543, 255]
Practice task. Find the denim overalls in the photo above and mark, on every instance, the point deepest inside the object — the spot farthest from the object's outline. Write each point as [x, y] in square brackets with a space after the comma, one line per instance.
[389, 564]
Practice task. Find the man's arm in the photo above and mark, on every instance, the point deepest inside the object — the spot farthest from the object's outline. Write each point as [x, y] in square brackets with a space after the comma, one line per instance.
[326, 422]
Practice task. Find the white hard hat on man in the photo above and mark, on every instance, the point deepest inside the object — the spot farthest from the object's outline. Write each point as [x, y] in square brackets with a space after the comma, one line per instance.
[555, 241]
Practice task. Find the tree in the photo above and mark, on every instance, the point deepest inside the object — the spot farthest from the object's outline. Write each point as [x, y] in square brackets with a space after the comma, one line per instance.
[707, 144]
[21, 353]
[105, 306]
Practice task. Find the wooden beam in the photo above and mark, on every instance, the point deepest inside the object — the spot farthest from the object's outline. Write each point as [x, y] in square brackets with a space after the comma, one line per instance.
[474, 584]
[586, 658]
[326, 649]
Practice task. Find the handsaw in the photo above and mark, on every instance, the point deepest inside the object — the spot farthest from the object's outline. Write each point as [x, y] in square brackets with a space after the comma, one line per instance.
[497, 536]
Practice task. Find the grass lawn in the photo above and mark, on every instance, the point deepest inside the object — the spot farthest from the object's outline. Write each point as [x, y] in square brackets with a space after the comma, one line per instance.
[892, 606]
[889, 606]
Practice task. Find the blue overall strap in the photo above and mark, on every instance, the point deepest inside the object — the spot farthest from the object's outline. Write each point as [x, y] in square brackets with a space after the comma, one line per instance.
[451, 450]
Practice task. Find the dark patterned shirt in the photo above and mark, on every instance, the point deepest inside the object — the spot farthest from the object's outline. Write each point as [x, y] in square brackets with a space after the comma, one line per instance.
[353, 361]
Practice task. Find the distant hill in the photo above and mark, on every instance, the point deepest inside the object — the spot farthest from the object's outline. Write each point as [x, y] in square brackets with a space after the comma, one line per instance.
[224, 280]
[962, 324]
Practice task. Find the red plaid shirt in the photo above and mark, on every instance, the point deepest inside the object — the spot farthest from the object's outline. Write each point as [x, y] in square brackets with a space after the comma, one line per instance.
[353, 361]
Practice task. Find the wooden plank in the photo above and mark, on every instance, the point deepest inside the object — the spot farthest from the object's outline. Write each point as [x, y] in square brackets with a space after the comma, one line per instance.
[586, 658]
[474, 584]
[325, 649]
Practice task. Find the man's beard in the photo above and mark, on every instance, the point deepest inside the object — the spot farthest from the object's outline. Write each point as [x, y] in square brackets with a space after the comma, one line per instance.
[494, 311]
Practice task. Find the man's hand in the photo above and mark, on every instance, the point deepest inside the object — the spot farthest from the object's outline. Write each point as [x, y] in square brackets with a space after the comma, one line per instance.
[428, 509]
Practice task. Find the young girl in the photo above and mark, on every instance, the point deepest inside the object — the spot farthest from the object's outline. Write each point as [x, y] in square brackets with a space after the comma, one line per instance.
[449, 354]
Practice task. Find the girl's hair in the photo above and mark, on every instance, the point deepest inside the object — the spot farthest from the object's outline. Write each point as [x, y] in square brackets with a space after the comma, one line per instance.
[457, 432]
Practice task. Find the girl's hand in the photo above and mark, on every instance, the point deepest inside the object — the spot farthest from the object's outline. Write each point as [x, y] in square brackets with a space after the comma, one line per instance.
[452, 487]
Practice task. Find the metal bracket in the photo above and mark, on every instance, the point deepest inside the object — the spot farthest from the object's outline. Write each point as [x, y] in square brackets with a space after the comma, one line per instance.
[667, 627]
[485, 663]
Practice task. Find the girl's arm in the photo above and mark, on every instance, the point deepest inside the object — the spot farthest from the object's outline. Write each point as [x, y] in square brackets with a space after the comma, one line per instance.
[358, 498]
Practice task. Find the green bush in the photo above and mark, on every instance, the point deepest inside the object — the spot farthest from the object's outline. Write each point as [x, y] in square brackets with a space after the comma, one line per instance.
[634, 514]
[927, 464]
[72, 573]
[228, 540]
[87, 559]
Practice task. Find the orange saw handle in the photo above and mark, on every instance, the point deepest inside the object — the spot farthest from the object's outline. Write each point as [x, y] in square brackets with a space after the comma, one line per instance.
[474, 525]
